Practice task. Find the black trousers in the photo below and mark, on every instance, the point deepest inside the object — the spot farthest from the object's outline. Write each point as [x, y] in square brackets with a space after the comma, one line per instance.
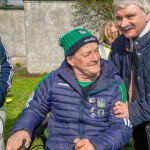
[140, 137]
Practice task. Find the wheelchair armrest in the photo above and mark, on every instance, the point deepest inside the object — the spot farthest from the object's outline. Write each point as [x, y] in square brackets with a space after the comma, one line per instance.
[38, 131]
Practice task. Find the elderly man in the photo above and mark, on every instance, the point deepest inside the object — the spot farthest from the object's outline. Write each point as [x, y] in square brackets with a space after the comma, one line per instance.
[6, 71]
[79, 95]
[131, 55]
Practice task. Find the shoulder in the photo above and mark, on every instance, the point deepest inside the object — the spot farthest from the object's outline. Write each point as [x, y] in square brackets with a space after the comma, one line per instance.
[108, 66]
[119, 43]
[120, 38]
[46, 79]
[111, 71]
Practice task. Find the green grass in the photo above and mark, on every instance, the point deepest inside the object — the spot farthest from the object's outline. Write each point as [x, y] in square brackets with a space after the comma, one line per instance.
[23, 85]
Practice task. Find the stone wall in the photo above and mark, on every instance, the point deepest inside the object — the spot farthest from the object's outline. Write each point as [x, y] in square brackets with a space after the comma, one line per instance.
[45, 22]
[12, 33]
[31, 35]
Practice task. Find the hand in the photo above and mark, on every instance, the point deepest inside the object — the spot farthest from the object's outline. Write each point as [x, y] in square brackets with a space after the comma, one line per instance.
[15, 141]
[121, 110]
[83, 144]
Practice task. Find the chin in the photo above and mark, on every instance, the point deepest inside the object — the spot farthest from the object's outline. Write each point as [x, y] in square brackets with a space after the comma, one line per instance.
[129, 35]
[95, 72]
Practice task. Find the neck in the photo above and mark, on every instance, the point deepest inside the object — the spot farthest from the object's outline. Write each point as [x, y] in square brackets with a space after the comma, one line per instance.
[146, 29]
[86, 78]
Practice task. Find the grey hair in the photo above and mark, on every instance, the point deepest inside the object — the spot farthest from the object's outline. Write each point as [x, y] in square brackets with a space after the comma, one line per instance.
[143, 4]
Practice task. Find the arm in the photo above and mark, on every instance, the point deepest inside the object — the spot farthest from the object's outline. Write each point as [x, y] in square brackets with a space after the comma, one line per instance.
[139, 111]
[16, 140]
[6, 72]
[36, 109]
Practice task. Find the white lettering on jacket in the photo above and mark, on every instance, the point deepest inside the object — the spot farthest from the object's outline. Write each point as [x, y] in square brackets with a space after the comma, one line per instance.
[30, 98]
[64, 84]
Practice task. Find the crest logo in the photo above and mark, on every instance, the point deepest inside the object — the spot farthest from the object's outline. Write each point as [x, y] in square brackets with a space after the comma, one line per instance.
[100, 112]
[82, 31]
[101, 103]
[92, 100]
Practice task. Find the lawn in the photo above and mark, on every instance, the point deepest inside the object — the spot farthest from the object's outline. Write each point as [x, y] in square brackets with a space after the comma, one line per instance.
[23, 85]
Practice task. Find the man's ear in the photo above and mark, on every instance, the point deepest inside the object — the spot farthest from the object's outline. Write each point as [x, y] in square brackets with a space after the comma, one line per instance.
[70, 60]
[148, 16]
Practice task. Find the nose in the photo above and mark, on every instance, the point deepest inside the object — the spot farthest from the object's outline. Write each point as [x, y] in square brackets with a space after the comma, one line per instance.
[124, 22]
[95, 56]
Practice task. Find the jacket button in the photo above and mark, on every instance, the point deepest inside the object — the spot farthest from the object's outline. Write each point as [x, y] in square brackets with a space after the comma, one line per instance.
[139, 78]
[139, 54]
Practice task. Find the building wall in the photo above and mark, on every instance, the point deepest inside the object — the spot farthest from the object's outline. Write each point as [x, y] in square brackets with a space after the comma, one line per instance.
[12, 33]
[45, 22]
[31, 35]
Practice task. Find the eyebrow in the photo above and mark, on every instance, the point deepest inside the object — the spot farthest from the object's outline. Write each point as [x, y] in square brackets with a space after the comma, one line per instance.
[129, 14]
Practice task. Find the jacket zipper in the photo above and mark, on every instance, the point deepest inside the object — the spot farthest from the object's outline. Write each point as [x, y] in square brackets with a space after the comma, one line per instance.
[81, 108]
[81, 120]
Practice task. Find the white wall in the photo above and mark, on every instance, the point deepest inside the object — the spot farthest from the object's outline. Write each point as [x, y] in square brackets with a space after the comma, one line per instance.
[12, 32]
[31, 35]
[45, 22]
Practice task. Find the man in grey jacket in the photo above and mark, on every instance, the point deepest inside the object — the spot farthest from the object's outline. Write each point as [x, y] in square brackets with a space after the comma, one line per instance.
[131, 55]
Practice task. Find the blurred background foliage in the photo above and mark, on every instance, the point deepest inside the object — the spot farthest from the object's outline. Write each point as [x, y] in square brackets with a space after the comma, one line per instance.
[92, 13]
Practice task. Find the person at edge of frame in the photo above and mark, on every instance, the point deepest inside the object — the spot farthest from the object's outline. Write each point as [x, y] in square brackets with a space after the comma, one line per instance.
[6, 73]
[131, 55]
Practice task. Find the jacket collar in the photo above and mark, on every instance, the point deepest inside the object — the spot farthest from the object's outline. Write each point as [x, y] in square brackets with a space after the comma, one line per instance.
[142, 42]
[139, 43]
[105, 44]
[105, 79]
[146, 29]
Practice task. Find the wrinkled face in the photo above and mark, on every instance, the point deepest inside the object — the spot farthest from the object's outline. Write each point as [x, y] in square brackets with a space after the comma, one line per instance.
[131, 20]
[112, 33]
[86, 62]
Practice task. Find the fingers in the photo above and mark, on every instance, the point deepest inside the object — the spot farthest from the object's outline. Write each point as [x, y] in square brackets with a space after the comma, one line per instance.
[119, 103]
[79, 143]
[76, 140]
[121, 110]
[83, 144]
[122, 116]
[118, 107]
[15, 141]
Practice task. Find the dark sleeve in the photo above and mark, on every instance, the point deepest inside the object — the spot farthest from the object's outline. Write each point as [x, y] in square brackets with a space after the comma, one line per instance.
[117, 49]
[139, 111]
[119, 132]
[6, 72]
[111, 55]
